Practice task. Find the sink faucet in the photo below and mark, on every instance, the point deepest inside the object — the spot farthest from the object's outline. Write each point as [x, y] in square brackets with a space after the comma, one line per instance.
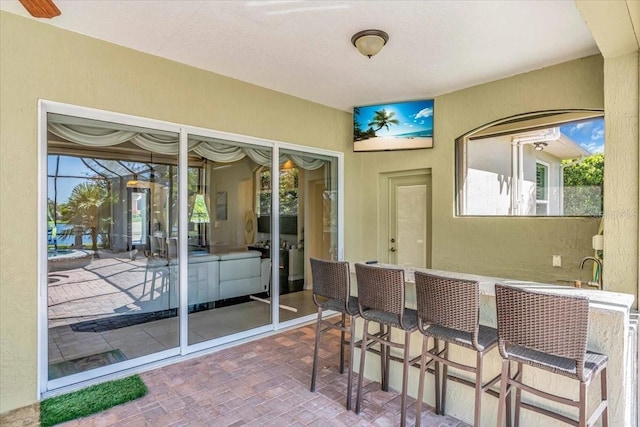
[598, 262]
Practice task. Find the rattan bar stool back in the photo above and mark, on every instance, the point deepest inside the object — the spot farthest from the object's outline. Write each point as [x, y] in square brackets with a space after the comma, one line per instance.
[448, 312]
[549, 332]
[331, 291]
[381, 299]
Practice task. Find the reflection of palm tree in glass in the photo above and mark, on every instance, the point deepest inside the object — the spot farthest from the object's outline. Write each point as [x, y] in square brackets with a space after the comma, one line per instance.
[83, 208]
[382, 119]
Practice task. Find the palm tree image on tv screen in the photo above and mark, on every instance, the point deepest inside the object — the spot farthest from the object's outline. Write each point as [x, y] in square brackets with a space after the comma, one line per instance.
[398, 126]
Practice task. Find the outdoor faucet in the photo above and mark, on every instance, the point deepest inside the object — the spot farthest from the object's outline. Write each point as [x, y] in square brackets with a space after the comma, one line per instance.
[598, 262]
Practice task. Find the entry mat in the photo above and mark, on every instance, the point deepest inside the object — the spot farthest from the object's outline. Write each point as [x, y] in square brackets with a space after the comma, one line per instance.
[69, 367]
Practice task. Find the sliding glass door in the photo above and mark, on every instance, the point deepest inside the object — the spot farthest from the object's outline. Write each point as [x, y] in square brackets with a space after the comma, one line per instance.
[111, 288]
[229, 271]
[162, 240]
[308, 225]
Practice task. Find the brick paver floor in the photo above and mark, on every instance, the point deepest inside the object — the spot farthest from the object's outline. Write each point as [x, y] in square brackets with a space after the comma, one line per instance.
[260, 383]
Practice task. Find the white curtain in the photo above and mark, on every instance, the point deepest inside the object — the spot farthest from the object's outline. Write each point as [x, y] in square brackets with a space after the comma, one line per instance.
[90, 136]
[306, 162]
[221, 152]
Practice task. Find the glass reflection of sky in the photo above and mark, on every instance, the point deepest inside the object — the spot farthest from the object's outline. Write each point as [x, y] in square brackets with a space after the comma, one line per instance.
[589, 134]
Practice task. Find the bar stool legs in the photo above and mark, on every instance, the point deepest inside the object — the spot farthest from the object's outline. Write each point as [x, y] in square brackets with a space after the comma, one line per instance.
[384, 359]
[502, 402]
[405, 374]
[332, 291]
[385, 350]
[314, 369]
[343, 341]
[352, 346]
[363, 350]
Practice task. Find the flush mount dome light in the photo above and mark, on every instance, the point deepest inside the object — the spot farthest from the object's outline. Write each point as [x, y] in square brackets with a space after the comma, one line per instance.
[369, 42]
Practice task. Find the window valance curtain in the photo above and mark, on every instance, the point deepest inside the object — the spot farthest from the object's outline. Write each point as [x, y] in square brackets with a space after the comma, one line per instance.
[217, 151]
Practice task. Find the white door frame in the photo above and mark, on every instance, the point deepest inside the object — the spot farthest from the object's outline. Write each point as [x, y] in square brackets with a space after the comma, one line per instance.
[386, 205]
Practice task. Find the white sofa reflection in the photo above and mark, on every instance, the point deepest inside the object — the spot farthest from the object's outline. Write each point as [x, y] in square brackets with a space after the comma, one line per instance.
[214, 277]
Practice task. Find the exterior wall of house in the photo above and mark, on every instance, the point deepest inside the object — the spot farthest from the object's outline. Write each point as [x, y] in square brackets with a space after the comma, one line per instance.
[488, 181]
[488, 178]
[41, 62]
[621, 191]
[513, 247]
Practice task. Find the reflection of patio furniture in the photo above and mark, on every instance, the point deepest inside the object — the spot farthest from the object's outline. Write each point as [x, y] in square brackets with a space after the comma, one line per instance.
[158, 267]
[172, 248]
[158, 247]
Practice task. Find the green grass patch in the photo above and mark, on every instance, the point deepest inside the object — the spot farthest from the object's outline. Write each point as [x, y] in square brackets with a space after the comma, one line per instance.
[90, 400]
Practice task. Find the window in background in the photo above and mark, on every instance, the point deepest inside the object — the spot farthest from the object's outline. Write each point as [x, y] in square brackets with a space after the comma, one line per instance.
[288, 197]
[542, 188]
[544, 164]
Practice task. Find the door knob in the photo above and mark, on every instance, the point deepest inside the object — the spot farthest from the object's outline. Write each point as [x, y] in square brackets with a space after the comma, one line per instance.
[393, 240]
[392, 249]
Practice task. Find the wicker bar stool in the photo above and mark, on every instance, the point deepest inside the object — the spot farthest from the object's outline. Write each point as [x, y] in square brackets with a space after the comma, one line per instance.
[548, 331]
[448, 311]
[381, 299]
[331, 291]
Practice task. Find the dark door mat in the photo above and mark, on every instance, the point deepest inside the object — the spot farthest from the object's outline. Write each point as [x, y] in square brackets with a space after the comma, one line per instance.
[70, 367]
[122, 321]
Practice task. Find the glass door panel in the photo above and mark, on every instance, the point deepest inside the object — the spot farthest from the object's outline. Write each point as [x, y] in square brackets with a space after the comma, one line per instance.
[112, 280]
[229, 267]
[308, 225]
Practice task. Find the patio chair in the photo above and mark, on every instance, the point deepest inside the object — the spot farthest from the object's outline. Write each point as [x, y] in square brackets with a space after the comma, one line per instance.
[331, 291]
[448, 312]
[548, 332]
[157, 266]
[381, 299]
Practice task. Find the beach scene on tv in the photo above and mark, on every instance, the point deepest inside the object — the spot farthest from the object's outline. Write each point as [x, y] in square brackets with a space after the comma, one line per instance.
[396, 126]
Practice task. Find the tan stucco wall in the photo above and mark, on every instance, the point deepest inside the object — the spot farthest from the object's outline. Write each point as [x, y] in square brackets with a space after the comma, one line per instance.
[519, 248]
[621, 191]
[39, 61]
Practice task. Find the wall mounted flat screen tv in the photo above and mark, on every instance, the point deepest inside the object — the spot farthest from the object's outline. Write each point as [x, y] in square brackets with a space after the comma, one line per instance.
[397, 126]
[288, 224]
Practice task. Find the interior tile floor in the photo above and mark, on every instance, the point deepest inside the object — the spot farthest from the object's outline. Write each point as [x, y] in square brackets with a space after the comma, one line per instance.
[114, 286]
[65, 343]
[260, 383]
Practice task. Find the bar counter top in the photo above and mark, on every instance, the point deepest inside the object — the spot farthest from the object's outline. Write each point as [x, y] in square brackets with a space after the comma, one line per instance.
[612, 331]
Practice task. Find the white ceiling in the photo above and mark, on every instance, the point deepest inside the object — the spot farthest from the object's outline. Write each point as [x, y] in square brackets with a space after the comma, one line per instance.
[303, 48]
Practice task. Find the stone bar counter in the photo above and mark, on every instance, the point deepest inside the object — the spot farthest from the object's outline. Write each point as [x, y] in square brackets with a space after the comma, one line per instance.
[611, 332]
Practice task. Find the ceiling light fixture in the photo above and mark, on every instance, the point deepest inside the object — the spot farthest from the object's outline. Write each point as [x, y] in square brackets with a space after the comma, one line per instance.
[539, 146]
[369, 42]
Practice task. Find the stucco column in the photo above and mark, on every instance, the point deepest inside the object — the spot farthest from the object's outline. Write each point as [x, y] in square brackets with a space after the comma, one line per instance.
[621, 191]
